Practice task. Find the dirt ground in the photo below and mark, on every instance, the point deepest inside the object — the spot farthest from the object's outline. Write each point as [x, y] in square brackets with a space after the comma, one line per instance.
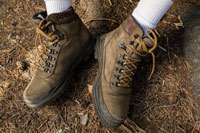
[164, 104]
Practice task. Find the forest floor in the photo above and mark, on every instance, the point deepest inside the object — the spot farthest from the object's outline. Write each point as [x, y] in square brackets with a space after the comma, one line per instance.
[163, 104]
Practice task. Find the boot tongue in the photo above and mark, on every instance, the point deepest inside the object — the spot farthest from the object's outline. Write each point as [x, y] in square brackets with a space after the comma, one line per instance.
[148, 43]
[37, 18]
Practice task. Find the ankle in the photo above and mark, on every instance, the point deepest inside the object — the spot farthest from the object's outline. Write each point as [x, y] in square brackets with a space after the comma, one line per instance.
[149, 12]
[57, 6]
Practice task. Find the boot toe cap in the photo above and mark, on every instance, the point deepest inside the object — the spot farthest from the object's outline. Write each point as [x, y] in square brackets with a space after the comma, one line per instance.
[36, 92]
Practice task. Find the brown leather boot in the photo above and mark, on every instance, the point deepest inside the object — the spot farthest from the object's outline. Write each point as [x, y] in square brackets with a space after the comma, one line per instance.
[63, 42]
[119, 53]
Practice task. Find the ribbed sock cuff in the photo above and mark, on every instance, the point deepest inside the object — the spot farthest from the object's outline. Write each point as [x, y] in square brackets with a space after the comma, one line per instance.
[149, 12]
[57, 6]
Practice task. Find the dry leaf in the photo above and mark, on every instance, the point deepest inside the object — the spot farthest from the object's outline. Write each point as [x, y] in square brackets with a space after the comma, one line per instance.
[170, 67]
[26, 75]
[18, 64]
[1, 92]
[198, 128]
[84, 119]
[90, 88]
[4, 84]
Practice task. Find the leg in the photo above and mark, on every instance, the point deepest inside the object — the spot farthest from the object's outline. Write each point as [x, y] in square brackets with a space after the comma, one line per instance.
[119, 53]
[57, 6]
[148, 13]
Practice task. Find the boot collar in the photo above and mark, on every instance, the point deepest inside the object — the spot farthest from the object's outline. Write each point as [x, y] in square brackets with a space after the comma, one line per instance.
[130, 25]
[63, 18]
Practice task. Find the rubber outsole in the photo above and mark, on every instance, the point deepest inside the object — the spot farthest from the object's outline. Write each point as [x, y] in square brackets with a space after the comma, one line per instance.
[61, 86]
[97, 97]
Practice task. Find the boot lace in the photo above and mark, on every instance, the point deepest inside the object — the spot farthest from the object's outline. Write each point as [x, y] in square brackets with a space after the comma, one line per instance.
[47, 37]
[130, 62]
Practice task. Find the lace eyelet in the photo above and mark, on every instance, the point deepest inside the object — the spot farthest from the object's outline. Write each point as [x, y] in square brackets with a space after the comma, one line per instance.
[53, 51]
[122, 46]
[49, 65]
[61, 37]
[116, 77]
[120, 63]
[114, 84]
[117, 69]
[121, 71]
[50, 57]
[47, 70]
[56, 45]
[136, 35]
[123, 56]
[131, 42]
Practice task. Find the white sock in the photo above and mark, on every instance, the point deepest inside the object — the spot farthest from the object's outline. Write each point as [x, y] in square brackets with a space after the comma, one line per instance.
[149, 12]
[57, 6]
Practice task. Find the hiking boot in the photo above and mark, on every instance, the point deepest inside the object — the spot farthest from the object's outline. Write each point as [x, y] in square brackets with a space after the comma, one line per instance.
[119, 53]
[63, 42]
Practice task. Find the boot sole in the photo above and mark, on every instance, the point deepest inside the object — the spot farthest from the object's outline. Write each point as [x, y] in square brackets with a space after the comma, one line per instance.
[99, 104]
[60, 87]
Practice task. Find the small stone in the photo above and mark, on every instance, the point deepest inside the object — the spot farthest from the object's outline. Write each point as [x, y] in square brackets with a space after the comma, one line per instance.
[60, 131]
[90, 88]
[26, 75]
[5, 84]
[84, 119]
[18, 64]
